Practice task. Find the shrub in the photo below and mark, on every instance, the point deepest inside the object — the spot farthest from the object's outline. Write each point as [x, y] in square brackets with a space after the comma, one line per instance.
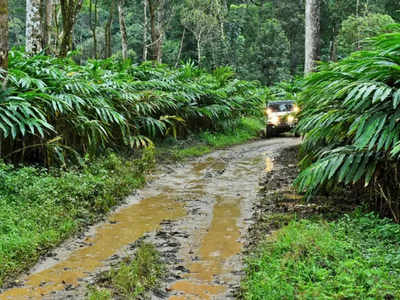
[54, 109]
[350, 122]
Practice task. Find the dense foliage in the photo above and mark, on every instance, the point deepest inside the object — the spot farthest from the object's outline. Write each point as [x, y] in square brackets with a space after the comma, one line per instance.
[54, 109]
[356, 257]
[350, 122]
[237, 26]
[355, 30]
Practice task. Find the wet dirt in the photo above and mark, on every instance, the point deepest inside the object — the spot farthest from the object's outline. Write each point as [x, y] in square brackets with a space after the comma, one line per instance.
[278, 203]
[196, 213]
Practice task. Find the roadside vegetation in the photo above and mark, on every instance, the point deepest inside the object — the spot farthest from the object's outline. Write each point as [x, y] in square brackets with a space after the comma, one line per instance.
[355, 257]
[350, 123]
[55, 111]
[245, 129]
[40, 208]
[132, 278]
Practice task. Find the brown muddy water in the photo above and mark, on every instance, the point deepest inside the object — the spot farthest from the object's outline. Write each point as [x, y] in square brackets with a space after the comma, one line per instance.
[208, 203]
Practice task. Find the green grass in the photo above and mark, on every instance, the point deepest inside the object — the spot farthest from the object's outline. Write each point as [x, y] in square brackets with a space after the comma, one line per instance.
[131, 279]
[248, 128]
[39, 209]
[357, 257]
[205, 142]
[99, 294]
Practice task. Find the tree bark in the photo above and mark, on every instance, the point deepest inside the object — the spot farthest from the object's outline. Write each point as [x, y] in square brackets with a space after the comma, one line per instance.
[155, 50]
[333, 47]
[145, 30]
[198, 51]
[108, 50]
[56, 22]
[47, 26]
[93, 25]
[160, 16]
[312, 42]
[180, 48]
[122, 27]
[69, 11]
[4, 34]
[33, 27]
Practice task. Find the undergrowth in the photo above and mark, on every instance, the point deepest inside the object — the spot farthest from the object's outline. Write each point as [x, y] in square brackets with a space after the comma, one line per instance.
[54, 111]
[41, 208]
[356, 257]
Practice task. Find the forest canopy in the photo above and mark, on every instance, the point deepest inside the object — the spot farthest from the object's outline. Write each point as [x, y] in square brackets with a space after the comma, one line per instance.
[262, 40]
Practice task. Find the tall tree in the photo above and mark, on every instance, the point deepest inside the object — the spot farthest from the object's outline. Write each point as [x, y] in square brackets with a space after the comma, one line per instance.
[69, 11]
[198, 17]
[155, 30]
[145, 30]
[312, 41]
[122, 28]
[161, 12]
[107, 31]
[3, 34]
[47, 25]
[180, 48]
[33, 27]
[93, 24]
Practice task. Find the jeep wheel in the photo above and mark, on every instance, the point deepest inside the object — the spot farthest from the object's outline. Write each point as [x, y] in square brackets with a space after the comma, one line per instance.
[270, 132]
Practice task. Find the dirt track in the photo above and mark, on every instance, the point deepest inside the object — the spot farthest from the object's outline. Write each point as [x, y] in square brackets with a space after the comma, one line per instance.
[196, 213]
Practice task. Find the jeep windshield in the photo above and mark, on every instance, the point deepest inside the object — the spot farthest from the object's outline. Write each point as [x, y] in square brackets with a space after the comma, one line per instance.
[280, 107]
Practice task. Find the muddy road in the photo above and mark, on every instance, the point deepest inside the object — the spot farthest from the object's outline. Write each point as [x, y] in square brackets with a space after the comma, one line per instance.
[196, 213]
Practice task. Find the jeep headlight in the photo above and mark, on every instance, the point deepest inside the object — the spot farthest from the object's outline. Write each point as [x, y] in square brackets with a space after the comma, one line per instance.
[274, 120]
[290, 119]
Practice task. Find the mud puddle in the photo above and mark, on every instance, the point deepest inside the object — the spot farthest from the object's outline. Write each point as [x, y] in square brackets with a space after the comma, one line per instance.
[196, 214]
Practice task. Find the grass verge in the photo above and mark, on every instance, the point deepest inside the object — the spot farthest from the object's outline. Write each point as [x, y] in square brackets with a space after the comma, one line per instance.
[355, 257]
[131, 279]
[39, 209]
[205, 142]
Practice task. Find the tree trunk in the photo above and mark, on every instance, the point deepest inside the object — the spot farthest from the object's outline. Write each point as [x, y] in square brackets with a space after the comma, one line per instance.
[155, 33]
[198, 51]
[312, 43]
[145, 30]
[93, 26]
[4, 34]
[107, 31]
[33, 27]
[47, 26]
[56, 22]
[160, 31]
[333, 47]
[122, 27]
[66, 38]
[180, 48]
[69, 11]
